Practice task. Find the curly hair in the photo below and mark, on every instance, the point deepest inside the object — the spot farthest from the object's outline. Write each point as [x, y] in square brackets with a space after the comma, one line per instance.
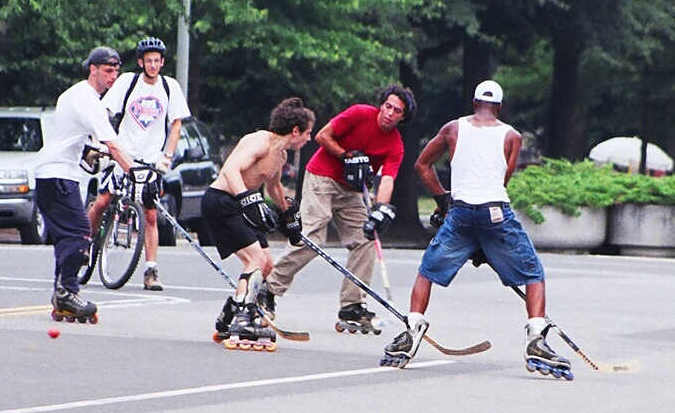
[405, 94]
[288, 114]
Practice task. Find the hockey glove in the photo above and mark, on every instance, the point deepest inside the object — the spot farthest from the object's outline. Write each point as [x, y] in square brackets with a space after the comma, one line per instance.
[291, 224]
[379, 220]
[163, 164]
[91, 155]
[255, 211]
[442, 202]
[357, 170]
[478, 258]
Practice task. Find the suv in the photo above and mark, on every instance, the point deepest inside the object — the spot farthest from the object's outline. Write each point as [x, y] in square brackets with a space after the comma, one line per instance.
[22, 130]
[21, 133]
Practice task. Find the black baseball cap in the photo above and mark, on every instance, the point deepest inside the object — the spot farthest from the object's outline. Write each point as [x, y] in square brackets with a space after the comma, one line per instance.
[102, 55]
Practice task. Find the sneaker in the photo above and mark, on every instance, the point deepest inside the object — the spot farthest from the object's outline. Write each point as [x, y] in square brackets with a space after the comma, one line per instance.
[266, 301]
[151, 280]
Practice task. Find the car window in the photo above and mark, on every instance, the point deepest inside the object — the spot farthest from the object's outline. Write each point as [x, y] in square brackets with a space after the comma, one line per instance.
[20, 134]
[190, 138]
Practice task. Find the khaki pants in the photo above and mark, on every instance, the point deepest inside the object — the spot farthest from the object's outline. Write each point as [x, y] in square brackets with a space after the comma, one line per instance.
[323, 199]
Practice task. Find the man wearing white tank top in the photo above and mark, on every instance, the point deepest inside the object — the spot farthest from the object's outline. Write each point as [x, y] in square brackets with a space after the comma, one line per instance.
[483, 152]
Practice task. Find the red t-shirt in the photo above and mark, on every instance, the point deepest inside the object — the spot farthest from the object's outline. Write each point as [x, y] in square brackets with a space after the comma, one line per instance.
[356, 129]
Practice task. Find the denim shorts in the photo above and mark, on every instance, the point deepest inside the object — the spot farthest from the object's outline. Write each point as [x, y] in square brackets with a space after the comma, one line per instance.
[508, 249]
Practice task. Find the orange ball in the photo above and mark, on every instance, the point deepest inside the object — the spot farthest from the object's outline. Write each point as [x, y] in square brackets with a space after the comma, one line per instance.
[53, 333]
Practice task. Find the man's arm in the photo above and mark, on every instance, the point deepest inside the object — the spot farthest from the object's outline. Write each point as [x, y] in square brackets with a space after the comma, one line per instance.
[275, 190]
[385, 189]
[325, 137]
[119, 155]
[446, 139]
[512, 145]
[174, 135]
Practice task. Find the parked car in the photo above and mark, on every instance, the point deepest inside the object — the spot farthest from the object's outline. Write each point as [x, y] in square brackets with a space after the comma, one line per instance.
[184, 186]
[21, 136]
[22, 132]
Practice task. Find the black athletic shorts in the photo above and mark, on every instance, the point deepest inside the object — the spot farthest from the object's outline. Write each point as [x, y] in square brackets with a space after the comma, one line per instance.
[227, 225]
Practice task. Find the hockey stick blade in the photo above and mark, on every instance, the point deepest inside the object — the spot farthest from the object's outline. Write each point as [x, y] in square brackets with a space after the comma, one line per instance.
[477, 348]
[356, 280]
[288, 335]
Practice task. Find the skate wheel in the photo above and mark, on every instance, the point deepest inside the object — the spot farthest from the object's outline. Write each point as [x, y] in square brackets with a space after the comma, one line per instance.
[271, 347]
[244, 346]
[544, 370]
[352, 331]
[70, 319]
[217, 337]
[556, 373]
[56, 316]
[93, 319]
[364, 331]
[230, 344]
[339, 328]
[258, 347]
[82, 320]
[567, 375]
[377, 332]
[530, 366]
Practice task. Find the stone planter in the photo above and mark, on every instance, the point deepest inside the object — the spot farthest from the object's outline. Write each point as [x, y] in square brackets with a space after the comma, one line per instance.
[564, 232]
[643, 229]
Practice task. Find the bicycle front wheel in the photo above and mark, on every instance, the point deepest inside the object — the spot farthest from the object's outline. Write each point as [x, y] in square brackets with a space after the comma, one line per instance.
[122, 246]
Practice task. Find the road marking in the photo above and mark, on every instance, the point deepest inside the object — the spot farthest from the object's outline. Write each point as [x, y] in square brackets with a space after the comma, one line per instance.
[222, 387]
[136, 300]
[98, 284]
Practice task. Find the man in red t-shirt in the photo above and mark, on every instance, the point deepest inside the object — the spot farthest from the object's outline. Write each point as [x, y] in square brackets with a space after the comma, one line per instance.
[360, 139]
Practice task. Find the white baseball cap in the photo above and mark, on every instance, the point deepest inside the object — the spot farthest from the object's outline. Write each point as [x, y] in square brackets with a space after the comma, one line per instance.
[489, 91]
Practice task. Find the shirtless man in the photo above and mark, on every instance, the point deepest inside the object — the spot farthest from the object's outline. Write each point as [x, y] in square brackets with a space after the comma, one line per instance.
[236, 212]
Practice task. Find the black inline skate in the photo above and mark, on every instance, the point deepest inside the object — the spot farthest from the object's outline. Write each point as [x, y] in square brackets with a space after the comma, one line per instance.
[247, 333]
[404, 347]
[540, 357]
[356, 317]
[266, 301]
[72, 307]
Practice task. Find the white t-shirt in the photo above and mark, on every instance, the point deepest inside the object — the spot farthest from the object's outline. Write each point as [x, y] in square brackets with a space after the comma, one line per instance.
[79, 114]
[143, 129]
[478, 165]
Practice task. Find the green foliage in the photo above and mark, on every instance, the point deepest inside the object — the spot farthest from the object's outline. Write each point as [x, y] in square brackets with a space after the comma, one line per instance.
[569, 186]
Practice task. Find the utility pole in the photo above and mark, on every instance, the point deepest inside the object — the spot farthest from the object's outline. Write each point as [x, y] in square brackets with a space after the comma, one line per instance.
[183, 48]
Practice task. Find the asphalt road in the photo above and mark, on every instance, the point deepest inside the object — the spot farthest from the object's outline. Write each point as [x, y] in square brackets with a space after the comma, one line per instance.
[152, 352]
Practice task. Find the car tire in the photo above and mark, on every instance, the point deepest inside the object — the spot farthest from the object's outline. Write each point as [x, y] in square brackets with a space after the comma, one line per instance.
[166, 231]
[35, 232]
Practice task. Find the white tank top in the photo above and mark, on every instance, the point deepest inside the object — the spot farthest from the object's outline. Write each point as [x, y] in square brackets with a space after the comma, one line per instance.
[479, 164]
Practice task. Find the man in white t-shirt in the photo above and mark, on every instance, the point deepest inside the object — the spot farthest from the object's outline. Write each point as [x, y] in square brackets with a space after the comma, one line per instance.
[151, 107]
[79, 114]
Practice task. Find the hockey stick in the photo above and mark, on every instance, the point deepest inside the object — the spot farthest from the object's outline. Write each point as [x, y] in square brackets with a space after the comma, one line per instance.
[288, 335]
[378, 248]
[561, 333]
[353, 278]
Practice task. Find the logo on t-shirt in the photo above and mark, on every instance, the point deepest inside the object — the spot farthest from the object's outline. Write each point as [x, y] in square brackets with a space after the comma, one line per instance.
[146, 110]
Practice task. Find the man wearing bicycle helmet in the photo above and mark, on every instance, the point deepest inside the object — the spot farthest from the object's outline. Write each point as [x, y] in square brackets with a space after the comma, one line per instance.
[149, 110]
[79, 114]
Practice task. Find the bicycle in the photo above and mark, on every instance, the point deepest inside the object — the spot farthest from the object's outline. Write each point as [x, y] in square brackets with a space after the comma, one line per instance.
[119, 239]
